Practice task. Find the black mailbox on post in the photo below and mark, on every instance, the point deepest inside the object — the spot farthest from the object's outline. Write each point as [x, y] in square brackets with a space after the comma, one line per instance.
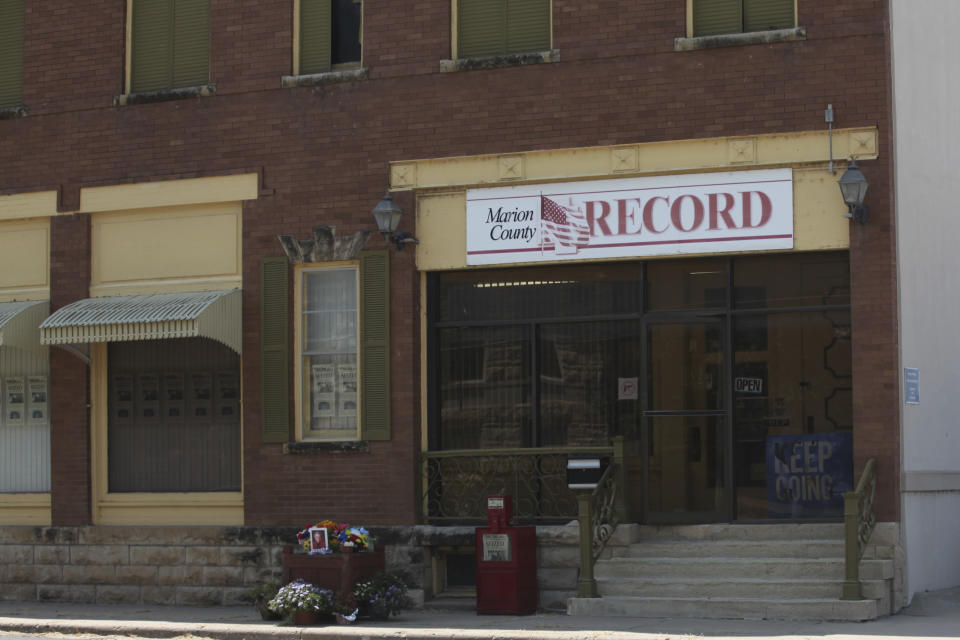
[585, 472]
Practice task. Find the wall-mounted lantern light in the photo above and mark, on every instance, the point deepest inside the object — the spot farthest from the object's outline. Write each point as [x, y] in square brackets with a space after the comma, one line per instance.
[853, 186]
[387, 214]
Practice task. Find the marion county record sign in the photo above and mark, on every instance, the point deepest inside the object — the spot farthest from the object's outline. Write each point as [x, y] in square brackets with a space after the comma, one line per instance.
[631, 217]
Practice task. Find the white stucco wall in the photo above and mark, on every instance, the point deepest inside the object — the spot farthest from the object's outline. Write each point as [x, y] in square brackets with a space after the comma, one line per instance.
[926, 93]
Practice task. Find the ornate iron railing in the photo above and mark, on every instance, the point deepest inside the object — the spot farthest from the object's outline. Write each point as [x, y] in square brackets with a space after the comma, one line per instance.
[859, 519]
[600, 511]
[456, 483]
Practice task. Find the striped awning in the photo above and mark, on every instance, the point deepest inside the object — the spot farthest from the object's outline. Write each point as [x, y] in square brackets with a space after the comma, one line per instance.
[19, 322]
[158, 316]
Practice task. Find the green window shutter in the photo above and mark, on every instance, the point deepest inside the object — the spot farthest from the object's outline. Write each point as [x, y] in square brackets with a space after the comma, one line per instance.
[528, 25]
[375, 345]
[715, 17]
[481, 28]
[765, 15]
[191, 43]
[316, 18]
[152, 44]
[11, 52]
[274, 350]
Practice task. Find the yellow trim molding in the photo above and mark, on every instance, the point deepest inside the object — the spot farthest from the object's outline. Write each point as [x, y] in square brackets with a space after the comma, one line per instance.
[38, 204]
[25, 509]
[180, 509]
[170, 193]
[647, 158]
[25, 259]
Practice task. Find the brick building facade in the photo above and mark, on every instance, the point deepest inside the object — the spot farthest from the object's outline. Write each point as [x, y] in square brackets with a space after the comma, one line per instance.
[322, 151]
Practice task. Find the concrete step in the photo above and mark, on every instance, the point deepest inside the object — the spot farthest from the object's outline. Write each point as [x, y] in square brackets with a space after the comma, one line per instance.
[825, 548]
[738, 532]
[718, 608]
[716, 567]
[803, 589]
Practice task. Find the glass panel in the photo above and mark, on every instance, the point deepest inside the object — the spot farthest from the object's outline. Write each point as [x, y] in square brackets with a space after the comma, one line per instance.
[552, 292]
[330, 353]
[174, 416]
[810, 279]
[485, 388]
[685, 367]
[792, 377]
[686, 284]
[588, 382]
[685, 469]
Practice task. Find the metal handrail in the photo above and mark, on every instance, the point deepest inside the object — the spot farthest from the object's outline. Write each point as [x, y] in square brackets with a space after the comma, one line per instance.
[599, 512]
[859, 520]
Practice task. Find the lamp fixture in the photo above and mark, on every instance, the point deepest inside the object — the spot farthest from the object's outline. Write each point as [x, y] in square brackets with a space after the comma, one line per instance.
[387, 214]
[853, 186]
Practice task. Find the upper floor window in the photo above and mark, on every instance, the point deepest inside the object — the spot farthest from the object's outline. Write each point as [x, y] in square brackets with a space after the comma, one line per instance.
[11, 53]
[328, 35]
[502, 27]
[169, 43]
[716, 17]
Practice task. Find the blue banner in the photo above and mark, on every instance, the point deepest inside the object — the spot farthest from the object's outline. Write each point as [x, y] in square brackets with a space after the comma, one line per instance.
[807, 475]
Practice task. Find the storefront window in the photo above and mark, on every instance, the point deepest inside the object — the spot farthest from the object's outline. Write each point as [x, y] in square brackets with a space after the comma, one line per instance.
[174, 421]
[24, 421]
[686, 284]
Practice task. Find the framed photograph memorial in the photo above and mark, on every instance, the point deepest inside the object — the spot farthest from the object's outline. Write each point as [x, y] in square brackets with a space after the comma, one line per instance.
[318, 540]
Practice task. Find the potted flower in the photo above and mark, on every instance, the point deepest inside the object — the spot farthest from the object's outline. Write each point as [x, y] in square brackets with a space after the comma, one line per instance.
[261, 595]
[345, 608]
[302, 601]
[382, 595]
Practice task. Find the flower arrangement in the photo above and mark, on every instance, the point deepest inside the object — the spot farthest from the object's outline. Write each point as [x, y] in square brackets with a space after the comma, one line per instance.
[302, 596]
[382, 595]
[339, 535]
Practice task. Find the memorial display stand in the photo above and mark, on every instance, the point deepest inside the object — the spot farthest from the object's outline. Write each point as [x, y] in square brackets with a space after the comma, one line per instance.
[336, 571]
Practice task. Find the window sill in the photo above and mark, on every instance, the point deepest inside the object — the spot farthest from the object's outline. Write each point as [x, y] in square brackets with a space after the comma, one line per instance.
[495, 62]
[313, 447]
[319, 79]
[740, 39]
[13, 112]
[163, 95]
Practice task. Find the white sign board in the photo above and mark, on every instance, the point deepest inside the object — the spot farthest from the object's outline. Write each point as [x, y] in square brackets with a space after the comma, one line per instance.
[631, 217]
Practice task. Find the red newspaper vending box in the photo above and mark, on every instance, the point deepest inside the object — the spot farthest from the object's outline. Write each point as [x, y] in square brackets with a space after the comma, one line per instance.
[506, 562]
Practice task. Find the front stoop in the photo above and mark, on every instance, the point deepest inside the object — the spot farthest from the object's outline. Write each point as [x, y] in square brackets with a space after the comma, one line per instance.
[778, 572]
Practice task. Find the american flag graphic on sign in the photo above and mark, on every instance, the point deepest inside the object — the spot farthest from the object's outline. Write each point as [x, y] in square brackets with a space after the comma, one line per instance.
[565, 225]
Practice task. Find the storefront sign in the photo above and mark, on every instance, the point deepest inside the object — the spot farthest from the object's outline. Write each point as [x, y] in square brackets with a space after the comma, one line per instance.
[807, 475]
[663, 215]
[748, 385]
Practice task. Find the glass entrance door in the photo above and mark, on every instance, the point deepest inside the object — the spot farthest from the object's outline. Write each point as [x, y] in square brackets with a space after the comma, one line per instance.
[685, 422]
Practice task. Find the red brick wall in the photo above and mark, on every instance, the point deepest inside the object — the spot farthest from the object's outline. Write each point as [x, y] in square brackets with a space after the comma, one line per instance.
[325, 151]
[69, 377]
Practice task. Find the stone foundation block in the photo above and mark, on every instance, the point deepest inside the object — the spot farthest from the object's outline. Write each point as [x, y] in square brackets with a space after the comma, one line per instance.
[242, 556]
[118, 594]
[203, 555]
[136, 575]
[555, 600]
[253, 576]
[16, 554]
[163, 556]
[199, 596]
[559, 557]
[158, 595]
[109, 554]
[44, 574]
[88, 575]
[556, 579]
[21, 592]
[63, 593]
[19, 535]
[51, 554]
[236, 596]
[179, 575]
[222, 576]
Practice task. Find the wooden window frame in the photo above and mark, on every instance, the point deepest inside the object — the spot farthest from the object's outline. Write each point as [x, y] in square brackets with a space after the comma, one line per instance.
[128, 55]
[343, 66]
[690, 31]
[454, 31]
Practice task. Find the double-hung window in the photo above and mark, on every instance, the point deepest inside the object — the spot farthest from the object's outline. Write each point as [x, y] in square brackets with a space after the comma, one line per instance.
[11, 53]
[169, 44]
[502, 27]
[328, 35]
[717, 17]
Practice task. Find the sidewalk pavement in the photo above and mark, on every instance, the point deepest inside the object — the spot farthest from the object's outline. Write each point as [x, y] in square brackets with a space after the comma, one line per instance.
[931, 615]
